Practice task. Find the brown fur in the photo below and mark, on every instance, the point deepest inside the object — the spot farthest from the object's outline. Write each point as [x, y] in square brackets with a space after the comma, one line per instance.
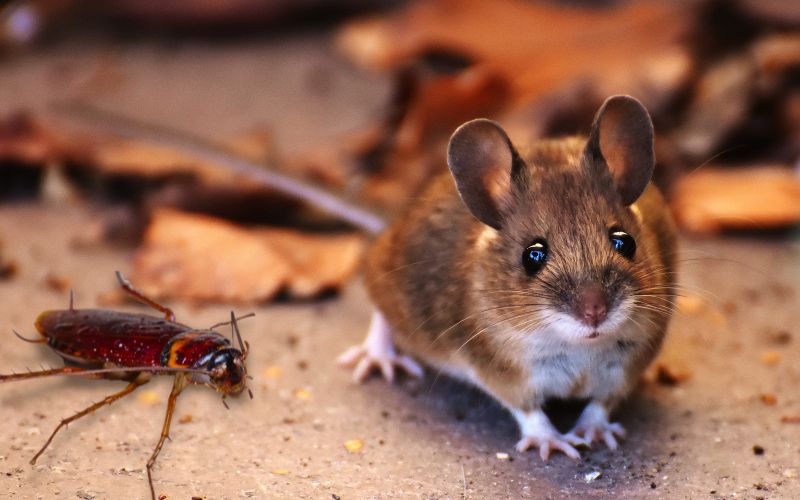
[465, 304]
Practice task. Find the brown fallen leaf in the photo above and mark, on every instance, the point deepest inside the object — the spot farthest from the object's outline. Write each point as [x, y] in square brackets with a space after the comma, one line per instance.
[713, 199]
[540, 46]
[202, 258]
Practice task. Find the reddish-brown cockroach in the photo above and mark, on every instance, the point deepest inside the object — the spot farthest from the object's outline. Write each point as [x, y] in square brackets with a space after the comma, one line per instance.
[134, 347]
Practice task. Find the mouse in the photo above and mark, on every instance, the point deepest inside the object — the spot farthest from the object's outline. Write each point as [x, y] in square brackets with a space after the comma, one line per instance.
[535, 272]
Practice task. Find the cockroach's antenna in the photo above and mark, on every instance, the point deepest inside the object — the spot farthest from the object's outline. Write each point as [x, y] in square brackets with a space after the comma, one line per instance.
[250, 393]
[242, 345]
[223, 323]
[71, 299]
[225, 403]
[32, 341]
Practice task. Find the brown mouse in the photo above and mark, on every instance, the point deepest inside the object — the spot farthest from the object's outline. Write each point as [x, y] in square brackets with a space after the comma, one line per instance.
[544, 272]
[541, 272]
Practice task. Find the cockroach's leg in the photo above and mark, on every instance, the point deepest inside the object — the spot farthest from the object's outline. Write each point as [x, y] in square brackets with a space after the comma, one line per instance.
[179, 384]
[139, 380]
[136, 294]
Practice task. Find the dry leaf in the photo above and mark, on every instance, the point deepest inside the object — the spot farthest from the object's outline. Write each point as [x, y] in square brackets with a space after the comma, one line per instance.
[540, 46]
[202, 258]
[712, 199]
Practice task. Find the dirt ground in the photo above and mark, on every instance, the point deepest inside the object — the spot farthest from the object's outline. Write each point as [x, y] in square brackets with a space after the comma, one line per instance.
[713, 435]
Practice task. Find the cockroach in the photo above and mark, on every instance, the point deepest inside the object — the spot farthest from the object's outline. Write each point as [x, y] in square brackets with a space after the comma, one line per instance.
[115, 345]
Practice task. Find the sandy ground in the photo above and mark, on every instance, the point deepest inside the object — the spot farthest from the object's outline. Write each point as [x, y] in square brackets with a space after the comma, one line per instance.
[736, 337]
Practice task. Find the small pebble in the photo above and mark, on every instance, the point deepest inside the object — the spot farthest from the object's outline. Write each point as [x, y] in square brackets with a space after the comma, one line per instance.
[770, 358]
[353, 445]
[592, 476]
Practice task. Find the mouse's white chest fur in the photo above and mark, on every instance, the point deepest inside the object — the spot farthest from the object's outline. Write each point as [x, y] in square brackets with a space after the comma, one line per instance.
[562, 369]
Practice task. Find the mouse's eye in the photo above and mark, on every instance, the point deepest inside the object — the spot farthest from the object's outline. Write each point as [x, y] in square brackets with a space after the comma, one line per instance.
[623, 243]
[534, 257]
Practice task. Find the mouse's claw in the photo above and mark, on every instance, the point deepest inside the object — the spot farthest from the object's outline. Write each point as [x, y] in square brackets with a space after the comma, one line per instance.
[378, 352]
[538, 432]
[365, 362]
[546, 444]
[593, 425]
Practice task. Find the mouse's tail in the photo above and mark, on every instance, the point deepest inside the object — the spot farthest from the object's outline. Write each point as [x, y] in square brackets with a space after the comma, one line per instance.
[306, 191]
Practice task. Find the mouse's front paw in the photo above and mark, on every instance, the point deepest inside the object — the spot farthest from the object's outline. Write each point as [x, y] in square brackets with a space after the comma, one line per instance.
[377, 352]
[546, 443]
[538, 432]
[364, 361]
[608, 432]
[593, 425]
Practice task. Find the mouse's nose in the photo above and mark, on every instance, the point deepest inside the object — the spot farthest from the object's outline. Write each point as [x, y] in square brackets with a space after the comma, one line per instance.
[592, 306]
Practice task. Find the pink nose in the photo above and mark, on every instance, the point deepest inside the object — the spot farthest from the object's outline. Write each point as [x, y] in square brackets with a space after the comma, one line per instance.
[592, 307]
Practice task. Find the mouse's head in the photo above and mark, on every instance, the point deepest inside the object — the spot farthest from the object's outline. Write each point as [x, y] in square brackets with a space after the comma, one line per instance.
[562, 248]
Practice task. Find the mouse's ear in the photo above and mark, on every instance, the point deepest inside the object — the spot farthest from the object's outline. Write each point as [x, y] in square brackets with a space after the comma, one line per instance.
[622, 135]
[481, 157]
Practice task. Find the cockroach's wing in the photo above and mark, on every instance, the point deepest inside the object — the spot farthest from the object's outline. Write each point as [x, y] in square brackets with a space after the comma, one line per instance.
[94, 337]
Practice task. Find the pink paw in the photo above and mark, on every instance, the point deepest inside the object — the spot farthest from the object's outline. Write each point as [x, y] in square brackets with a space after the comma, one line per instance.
[378, 352]
[548, 443]
[364, 362]
[587, 434]
[593, 425]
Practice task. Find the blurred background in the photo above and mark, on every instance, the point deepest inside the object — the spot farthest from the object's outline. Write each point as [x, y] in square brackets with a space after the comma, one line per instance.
[360, 97]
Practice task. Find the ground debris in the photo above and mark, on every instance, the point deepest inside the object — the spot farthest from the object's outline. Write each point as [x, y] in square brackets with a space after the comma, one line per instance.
[666, 375]
[768, 399]
[770, 358]
[353, 445]
[8, 267]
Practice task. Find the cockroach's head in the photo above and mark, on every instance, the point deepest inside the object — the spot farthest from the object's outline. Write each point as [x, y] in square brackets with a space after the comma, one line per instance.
[226, 371]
